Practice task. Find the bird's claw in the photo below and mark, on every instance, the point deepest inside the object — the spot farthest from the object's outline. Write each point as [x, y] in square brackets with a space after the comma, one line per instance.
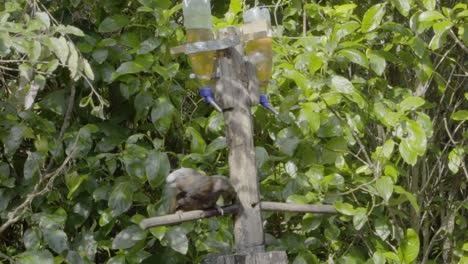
[179, 214]
[220, 210]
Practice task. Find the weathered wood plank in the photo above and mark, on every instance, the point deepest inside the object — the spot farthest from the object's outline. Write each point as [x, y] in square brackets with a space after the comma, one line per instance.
[302, 208]
[186, 216]
[271, 257]
[233, 95]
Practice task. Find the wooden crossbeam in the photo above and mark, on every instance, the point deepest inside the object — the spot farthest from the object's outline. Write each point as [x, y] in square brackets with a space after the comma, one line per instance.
[248, 32]
[181, 217]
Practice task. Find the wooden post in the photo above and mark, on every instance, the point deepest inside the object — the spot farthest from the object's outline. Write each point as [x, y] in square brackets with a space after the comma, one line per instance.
[233, 93]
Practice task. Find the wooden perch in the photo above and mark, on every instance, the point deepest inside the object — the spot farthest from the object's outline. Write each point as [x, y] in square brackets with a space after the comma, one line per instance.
[303, 208]
[202, 46]
[186, 216]
[234, 209]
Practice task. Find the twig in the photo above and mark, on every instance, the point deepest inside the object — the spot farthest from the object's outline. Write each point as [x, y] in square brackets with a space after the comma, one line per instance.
[459, 43]
[19, 211]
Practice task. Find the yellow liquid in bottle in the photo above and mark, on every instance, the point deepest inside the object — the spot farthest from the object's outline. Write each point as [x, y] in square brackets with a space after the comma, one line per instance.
[260, 53]
[203, 63]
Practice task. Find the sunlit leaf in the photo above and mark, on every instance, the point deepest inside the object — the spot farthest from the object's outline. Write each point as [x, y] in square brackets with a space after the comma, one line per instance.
[114, 23]
[373, 17]
[384, 186]
[409, 247]
[128, 237]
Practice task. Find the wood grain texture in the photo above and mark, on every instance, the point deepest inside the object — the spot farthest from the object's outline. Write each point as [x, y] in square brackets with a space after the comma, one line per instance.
[300, 208]
[271, 257]
[181, 217]
[232, 92]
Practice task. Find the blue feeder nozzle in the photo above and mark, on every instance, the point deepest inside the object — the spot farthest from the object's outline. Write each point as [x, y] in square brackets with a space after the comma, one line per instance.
[208, 96]
[266, 103]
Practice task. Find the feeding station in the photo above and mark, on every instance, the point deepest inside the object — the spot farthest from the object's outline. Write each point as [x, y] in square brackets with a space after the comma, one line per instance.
[234, 68]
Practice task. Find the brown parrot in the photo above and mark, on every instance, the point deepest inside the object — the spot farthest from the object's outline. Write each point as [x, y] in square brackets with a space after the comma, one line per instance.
[188, 190]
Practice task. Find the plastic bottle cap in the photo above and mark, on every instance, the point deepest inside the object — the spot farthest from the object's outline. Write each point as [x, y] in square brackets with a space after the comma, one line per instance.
[197, 14]
[257, 14]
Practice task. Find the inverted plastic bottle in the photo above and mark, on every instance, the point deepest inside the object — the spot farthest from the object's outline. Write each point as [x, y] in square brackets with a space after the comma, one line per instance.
[260, 52]
[198, 25]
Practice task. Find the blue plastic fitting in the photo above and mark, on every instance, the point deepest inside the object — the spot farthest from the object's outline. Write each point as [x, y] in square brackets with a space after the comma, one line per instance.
[266, 103]
[208, 96]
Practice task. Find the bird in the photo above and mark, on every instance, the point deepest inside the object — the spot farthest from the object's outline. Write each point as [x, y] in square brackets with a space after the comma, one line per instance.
[188, 189]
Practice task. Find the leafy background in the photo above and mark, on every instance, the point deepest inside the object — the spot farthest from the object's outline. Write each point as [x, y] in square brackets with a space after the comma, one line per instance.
[95, 112]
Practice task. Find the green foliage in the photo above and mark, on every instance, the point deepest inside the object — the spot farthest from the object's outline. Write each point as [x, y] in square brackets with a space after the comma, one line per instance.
[95, 112]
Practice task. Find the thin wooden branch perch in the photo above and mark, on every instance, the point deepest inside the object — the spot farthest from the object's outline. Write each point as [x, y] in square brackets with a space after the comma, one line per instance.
[186, 216]
[181, 217]
[302, 208]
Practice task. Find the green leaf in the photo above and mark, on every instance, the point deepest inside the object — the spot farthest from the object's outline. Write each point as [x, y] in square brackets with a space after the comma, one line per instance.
[309, 113]
[416, 137]
[354, 56]
[411, 103]
[440, 29]
[162, 115]
[73, 62]
[120, 199]
[381, 227]
[32, 165]
[73, 181]
[52, 65]
[430, 16]
[56, 239]
[35, 257]
[128, 237]
[143, 102]
[14, 139]
[359, 218]
[429, 4]
[87, 69]
[55, 101]
[100, 55]
[377, 63]
[297, 199]
[465, 247]
[216, 145]
[403, 6]
[60, 48]
[455, 159]
[44, 18]
[287, 141]
[409, 156]
[113, 23]
[129, 67]
[411, 198]
[197, 143]
[419, 46]
[70, 30]
[341, 84]
[424, 68]
[409, 247]
[5, 43]
[178, 239]
[34, 51]
[384, 186]
[460, 115]
[344, 208]
[315, 63]
[149, 45]
[373, 17]
[301, 81]
[32, 238]
[157, 167]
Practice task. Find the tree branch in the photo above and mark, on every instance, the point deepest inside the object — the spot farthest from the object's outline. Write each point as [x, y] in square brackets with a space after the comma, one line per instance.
[459, 43]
